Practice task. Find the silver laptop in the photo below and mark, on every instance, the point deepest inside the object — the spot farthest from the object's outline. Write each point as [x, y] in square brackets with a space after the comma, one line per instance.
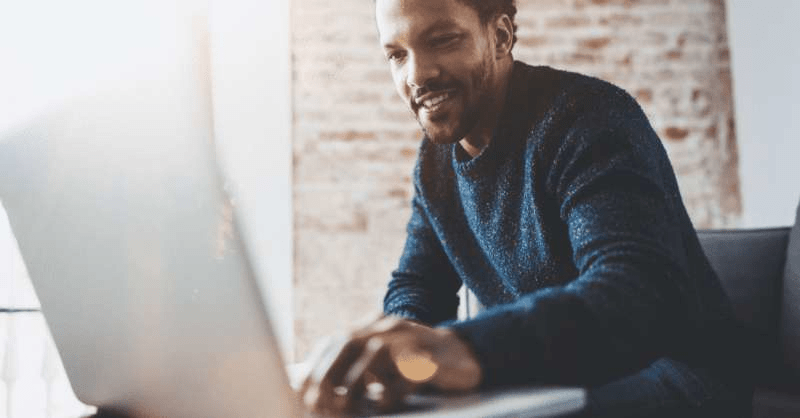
[134, 249]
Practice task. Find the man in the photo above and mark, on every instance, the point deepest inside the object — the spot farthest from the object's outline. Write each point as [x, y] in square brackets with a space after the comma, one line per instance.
[548, 194]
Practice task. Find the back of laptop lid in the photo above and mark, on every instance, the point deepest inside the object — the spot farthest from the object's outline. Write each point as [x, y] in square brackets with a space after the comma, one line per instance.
[133, 249]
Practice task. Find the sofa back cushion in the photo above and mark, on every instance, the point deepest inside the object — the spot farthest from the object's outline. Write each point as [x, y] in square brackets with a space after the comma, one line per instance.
[790, 312]
[749, 263]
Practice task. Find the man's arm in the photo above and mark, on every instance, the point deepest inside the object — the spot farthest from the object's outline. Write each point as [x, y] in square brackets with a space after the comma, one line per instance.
[629, 302]
[424, 287]
[400, 350]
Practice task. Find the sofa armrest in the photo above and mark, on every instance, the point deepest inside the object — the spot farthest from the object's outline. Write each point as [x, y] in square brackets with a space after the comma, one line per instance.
[749, 263]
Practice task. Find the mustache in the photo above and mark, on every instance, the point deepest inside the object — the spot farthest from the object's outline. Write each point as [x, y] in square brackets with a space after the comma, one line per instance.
[429, 88]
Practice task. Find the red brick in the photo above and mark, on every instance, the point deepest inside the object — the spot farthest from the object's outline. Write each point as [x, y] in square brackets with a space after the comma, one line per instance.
[701, 102]
[711, 132]
[674, 55]
[676, 134]
[532, 41]
[594, 43]
[401, 193]
[408, 153]
[644, 95]
[581, 58]
[625, 61]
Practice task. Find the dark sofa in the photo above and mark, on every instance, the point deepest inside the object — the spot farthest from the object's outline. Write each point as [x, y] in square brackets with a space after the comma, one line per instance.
[760, 271]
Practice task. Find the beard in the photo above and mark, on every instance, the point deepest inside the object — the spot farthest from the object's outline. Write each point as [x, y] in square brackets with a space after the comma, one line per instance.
[451, 128]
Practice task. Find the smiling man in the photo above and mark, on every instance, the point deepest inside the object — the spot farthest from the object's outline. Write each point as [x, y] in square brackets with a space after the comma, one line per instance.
[549, 195]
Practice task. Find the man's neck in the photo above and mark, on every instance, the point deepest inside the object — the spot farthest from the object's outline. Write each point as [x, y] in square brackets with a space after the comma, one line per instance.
[479, 138]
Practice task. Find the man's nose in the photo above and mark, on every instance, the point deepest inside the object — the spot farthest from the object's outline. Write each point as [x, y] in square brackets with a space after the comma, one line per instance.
[421, 70]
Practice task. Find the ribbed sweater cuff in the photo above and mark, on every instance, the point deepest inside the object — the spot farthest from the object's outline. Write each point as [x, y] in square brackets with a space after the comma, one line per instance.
[504, 356]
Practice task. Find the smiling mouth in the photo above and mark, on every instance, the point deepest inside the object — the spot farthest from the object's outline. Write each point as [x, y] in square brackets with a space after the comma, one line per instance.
[432, 103]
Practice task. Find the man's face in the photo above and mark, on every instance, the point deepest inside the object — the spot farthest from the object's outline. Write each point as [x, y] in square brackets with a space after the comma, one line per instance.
[442, 62]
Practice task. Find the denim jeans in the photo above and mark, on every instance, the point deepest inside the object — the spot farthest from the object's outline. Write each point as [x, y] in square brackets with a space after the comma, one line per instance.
[666, 389]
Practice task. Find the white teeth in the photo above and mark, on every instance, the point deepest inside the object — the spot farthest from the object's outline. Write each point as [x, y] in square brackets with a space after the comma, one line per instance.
[436, 100]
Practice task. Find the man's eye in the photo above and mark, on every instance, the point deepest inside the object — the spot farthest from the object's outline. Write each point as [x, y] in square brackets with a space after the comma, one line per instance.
[444, 40]
[395, 56]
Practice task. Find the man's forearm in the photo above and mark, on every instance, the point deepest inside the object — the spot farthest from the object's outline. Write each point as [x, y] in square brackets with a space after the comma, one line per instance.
[571, 335]
[410, 296]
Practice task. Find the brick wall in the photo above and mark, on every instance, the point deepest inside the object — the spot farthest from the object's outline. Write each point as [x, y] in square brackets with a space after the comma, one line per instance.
[355, 142]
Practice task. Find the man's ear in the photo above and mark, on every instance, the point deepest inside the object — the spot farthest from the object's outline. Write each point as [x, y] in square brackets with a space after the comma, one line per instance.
[504, 36]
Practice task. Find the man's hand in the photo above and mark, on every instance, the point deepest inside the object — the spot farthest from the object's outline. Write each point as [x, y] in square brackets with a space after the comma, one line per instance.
[385, 361]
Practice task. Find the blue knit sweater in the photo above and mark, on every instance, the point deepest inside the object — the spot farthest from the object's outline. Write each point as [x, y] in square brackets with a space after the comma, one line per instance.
[569, 227]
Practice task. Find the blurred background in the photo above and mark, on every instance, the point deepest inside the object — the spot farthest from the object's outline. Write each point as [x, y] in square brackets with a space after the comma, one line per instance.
[321, 145]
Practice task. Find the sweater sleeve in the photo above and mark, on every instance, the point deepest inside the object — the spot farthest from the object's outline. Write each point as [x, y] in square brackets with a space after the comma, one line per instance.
[611, 181]
[424, 287]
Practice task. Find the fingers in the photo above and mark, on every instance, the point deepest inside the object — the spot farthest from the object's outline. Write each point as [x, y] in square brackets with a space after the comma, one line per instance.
[345, 372]
[362, 374]
[374, 379]
[386, 388]
[354, 385]
[327, 370]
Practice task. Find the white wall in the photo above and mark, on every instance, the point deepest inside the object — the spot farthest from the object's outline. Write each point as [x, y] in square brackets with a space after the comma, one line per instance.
[765, 52]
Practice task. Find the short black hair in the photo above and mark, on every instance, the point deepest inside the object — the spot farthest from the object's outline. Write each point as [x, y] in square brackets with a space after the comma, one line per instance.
[490, 9]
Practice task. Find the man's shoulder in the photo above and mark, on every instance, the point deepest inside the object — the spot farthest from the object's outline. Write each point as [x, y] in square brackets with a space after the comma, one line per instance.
[567, 111]
[564, 84]
[552, 101]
